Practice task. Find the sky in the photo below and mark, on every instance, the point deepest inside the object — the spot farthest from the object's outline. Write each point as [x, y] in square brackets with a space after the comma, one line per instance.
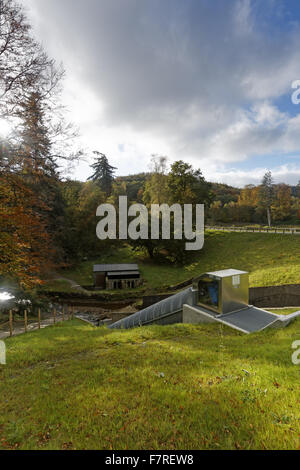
[204, 81]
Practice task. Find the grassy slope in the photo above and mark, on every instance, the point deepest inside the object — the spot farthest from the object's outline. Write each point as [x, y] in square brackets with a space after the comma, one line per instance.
[176, 387]
[271, 260]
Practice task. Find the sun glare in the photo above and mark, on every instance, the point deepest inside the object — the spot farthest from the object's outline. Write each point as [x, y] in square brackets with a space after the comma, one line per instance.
[5, 296]
[5, 128]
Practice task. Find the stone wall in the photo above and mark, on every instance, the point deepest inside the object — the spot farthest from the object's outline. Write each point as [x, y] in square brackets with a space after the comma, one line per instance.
[275, 296]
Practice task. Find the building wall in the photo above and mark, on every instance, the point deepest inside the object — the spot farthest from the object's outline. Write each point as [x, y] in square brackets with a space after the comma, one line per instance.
[112, 284]
[99, 280]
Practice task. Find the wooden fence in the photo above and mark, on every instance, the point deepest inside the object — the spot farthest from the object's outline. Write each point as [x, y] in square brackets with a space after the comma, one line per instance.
[285, 231]
[23, 324]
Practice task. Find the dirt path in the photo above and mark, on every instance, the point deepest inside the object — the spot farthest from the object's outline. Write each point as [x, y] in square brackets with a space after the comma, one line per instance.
[73, 284]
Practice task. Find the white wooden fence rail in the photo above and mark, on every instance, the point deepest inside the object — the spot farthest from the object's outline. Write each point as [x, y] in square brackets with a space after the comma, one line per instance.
[285, 231]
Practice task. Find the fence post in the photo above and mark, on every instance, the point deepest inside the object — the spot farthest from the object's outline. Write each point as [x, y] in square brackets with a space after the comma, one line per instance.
[54, 315]
[63, 313]
[72, 312]
[10, 323]
[39, 318]
[25, 320]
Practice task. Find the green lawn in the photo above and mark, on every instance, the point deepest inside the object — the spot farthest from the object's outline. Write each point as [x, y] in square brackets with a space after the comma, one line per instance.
[72, 386]
[271, 260]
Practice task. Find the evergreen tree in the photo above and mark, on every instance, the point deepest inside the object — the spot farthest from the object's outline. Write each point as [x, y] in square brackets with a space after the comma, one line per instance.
[36, 165]
[35, 150]
[103, 173]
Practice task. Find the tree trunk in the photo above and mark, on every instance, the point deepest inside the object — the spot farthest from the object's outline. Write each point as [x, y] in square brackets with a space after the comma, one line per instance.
[150, 250]
[269, 216]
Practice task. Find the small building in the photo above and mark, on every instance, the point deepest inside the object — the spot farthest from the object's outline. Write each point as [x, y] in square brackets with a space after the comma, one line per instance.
[223, 291]
[116, 276]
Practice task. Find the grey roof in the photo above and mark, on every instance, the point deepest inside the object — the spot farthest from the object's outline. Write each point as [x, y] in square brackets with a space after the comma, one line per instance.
[227, 273]
[103, 268]
[122, 273]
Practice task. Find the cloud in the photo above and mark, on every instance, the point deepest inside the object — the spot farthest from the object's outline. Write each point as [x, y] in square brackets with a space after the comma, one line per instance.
[289, 174]
[195, 80]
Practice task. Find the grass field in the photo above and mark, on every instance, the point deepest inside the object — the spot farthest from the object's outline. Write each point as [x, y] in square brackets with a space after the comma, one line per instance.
[72, 386]
[271, 259]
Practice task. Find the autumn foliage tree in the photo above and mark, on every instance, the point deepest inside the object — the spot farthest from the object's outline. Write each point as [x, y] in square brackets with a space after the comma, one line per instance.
[25, 246]
[31, 206]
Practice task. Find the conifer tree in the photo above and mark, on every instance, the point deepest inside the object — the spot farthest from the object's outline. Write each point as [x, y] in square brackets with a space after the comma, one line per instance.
[103, 173]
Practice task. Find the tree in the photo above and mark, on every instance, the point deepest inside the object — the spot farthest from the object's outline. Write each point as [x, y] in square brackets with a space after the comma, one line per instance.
[34, 157]
[298, 190]
[217, 212]
[156, 187]
[248, 196]
[25, 71]
[36, 165]
[282, 207]
[31, 209]
[70, 191]
[103, 173]
[24, 64]
[267, 194]
[186, 185]
[25, 246]
[26, 199]
[183, 185]
[119, 188]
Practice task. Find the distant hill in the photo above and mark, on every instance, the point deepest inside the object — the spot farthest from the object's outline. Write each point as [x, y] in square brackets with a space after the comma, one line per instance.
[224, 193]
[219, 191]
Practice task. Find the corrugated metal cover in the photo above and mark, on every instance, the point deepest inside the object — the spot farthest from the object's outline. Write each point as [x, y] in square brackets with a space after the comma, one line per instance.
[158, 311]
[250, 319]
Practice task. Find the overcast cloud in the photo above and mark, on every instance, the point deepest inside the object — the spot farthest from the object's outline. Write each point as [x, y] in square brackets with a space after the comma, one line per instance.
[206, 81]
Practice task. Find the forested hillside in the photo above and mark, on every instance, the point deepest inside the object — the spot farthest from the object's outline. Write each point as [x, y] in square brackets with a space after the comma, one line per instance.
[49, 221]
